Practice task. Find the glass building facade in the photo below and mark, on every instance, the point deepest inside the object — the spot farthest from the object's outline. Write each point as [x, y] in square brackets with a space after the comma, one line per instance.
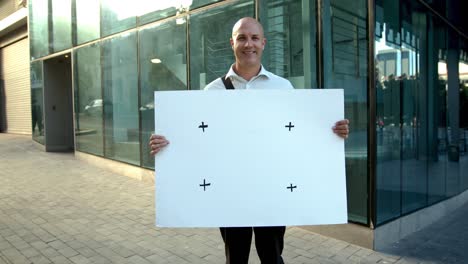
[421, 80]
[403, 67]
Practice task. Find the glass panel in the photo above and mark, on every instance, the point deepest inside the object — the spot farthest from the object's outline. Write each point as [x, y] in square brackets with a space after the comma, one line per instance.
[37, 102]
[87, 20]
[156, 10]
[38, 28]
[199, 3]
[61, 24]
[453, 126]
[414, 108]
[424, 62]
[163, 66]
[345, 66]
[404, 94]
[210, 50]
[120, 81]
[463, 75]
[287, 36]
[438, 5]
[437, 111]
[388, 181]
[88, 100]
[117, 16]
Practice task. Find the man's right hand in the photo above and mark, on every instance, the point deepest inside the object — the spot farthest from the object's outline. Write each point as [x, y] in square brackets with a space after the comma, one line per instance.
[156, 143]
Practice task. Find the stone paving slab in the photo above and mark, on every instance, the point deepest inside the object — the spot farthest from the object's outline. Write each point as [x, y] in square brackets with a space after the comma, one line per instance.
[56, 209]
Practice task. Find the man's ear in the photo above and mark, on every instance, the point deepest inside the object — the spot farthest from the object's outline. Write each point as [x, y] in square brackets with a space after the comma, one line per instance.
[232, 43]
[264, 43]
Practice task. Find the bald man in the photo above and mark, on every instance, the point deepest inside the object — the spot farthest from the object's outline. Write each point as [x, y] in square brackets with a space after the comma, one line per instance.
[247, 72]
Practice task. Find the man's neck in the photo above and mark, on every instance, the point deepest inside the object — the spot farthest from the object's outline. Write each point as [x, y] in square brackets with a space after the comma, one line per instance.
[246, 72]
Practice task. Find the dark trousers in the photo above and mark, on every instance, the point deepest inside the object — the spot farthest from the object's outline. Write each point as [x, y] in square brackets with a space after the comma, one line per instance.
[269, 242]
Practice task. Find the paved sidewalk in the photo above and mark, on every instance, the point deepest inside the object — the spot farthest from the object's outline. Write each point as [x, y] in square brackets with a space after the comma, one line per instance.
[56, 209]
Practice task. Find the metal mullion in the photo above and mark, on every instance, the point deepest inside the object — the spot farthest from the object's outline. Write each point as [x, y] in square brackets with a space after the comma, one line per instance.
[101, 54]
[372, 113]
[319, 38]
[333, 52]
[140, 121]
[50, 25]
[357, 52]
[187, 52]
[73, 87]
[257, 9]
[44, 131]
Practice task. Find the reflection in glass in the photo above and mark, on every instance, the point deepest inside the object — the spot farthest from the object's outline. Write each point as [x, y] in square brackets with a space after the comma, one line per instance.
[158, 10]
[61, 24]
[413, 117]
[38, 28]
[291, 46]
[155, 10]
[210, 50]
[413, 168]
[402, 116]
[437, 113]
[388, 130]
[37, 102]
[453, 126]
[120, 101]
[200, 3]
[463, 76]
[87, 20]
[163, 66]
[346, 67]
[413, 108]
[88, 100]
[117, 16]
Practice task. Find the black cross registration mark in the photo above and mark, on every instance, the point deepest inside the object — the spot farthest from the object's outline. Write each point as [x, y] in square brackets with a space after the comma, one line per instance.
[289, 126]
[203, 126]
[204, 185]
[291, 187]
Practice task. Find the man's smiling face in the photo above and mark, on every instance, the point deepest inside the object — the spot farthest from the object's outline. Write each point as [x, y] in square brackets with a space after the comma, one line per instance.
[248, 43]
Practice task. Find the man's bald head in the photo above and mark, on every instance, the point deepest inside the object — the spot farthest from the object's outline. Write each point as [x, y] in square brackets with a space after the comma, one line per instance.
[247, 42]
[246, 21]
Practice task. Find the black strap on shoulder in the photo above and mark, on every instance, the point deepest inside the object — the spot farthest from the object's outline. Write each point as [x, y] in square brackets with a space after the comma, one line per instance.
[227, 83]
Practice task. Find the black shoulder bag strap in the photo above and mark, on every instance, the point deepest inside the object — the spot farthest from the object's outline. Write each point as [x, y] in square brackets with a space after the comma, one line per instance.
[227, 83]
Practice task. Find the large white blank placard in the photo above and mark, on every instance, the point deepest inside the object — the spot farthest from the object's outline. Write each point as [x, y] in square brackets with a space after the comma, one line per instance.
[250, 158]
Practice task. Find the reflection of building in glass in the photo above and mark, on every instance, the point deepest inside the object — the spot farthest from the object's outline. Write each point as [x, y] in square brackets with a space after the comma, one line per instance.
[396, 63]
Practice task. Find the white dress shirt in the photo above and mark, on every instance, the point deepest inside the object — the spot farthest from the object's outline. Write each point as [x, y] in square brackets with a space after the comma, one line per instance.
[263, 80]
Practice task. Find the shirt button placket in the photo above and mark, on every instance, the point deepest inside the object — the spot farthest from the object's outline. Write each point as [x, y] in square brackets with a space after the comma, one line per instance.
[247, 85]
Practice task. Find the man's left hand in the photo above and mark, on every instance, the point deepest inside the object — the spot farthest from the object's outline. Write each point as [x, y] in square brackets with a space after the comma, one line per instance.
[341, 128]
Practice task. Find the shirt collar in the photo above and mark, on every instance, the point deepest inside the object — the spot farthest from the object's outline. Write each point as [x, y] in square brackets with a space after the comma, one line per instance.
[263, 72]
